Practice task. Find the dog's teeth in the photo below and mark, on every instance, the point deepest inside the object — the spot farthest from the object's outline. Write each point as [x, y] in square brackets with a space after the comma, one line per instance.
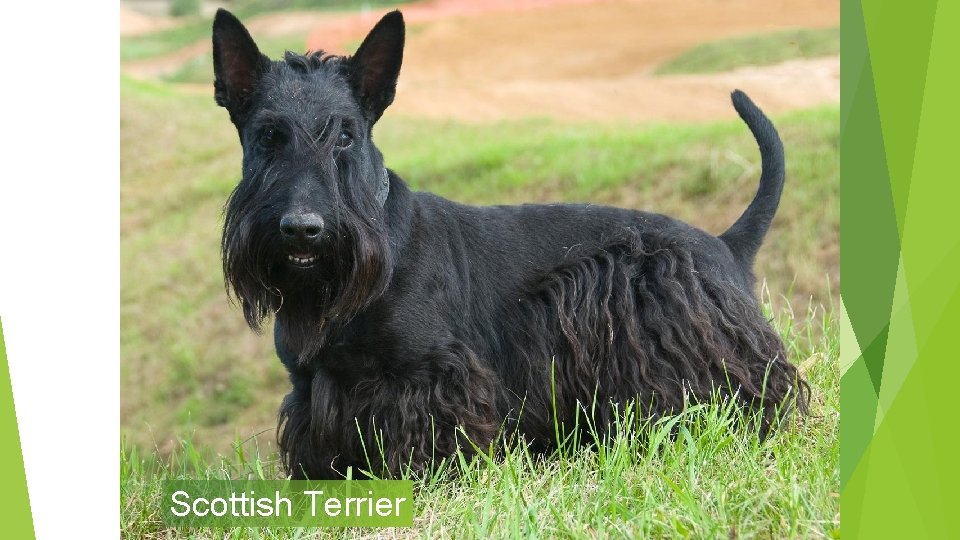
[299, 260]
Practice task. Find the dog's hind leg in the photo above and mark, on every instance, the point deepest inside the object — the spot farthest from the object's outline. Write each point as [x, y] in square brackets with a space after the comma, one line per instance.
[643, 317]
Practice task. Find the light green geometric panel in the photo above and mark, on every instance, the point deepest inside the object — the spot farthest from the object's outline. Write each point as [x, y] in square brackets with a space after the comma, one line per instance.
[869, 242]
[901, 346]
[858, 401]
[931, 266]
[913, 467]
[910, 487]
[903, 483]
[852, 495]
[885, 512]
[931, 233]
[849, 347]
[899, 69]
[14, 498]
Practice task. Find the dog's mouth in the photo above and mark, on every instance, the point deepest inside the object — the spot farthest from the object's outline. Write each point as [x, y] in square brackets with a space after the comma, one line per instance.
[301, 260]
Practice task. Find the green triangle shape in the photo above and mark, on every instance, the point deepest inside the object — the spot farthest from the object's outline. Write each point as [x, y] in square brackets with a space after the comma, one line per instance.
[14, 498]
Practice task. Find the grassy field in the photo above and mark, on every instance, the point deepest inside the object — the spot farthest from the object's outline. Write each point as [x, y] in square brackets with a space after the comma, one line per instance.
[710, 480]
[166, 41]
[757, 50]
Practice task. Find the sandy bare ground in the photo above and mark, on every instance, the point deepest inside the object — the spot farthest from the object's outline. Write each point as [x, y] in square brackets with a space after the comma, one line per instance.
[595, 61]
[573, 59]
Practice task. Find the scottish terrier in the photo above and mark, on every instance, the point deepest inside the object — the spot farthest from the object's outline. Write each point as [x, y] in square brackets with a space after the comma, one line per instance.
[414, 327]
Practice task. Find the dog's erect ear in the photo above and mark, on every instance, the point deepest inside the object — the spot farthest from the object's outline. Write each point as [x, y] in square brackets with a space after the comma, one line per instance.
[237, 63]
[376, 65]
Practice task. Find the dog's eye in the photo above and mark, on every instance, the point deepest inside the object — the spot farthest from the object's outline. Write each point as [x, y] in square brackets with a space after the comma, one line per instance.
[344, 140]
[268, 137]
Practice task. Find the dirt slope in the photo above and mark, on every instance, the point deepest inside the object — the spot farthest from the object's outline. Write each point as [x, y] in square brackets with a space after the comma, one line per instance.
[594, 61]
[569, 59]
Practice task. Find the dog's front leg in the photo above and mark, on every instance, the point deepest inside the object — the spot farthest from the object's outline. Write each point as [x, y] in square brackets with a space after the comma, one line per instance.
[427, 410]
[315, 434]
[398, 420]
[315, 439]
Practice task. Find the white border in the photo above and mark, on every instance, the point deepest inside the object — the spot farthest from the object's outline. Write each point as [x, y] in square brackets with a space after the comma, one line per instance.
[60, 256]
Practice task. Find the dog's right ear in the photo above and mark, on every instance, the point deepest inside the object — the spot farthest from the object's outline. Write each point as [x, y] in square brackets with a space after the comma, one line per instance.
[376, 65]
[237, 62]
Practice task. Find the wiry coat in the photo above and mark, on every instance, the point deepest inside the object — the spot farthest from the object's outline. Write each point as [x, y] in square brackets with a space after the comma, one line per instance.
[412, 323]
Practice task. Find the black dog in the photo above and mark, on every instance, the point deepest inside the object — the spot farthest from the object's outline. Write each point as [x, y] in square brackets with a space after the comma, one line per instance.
[412, 326]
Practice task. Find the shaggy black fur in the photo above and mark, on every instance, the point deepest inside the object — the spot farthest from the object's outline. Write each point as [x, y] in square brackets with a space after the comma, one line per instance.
[410, 324]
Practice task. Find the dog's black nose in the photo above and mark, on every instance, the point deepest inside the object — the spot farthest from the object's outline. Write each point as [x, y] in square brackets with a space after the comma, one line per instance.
[301, 226]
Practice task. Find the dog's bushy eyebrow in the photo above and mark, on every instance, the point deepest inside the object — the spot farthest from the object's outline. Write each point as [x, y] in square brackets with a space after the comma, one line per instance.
[321, 135]
[268, 118]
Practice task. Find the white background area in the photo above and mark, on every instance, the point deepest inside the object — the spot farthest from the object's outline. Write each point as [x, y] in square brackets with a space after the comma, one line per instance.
[60, 256]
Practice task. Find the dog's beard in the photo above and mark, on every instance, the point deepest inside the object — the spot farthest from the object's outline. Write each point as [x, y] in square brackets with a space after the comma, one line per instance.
[352, 270]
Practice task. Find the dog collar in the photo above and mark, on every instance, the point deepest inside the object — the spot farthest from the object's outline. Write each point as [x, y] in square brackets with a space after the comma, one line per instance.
[384, 188]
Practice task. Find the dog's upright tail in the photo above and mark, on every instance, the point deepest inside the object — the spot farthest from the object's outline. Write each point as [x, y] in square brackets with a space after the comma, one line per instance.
[745, 236]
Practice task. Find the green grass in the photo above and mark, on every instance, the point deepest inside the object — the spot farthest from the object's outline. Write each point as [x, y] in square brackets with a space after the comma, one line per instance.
[712, 479]
[192, 371]
[165, 41]
[182, 8]
[757, 50]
